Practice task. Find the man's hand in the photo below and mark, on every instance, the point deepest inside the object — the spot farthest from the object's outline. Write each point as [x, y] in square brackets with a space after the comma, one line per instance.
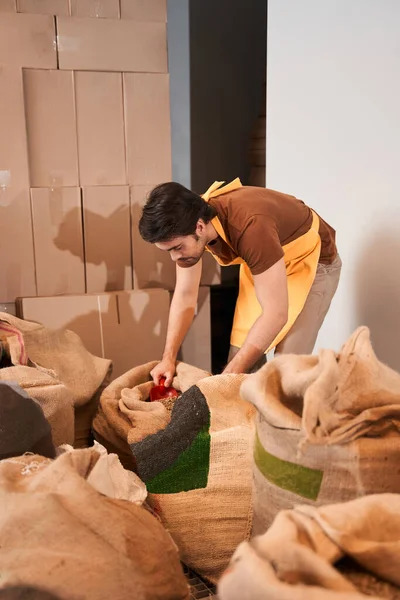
[272, 294]
[165, 368]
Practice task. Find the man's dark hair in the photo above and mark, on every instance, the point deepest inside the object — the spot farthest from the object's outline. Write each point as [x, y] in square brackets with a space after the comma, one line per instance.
[172, 211]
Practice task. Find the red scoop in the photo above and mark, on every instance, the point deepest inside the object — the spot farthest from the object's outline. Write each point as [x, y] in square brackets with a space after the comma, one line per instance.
[160, 392]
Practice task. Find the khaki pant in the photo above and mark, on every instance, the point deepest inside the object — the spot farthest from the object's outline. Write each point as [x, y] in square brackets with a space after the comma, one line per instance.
[302, 336]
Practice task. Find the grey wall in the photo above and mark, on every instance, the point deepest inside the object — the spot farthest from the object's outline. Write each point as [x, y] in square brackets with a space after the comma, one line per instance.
[217, 67]
[179, 70]
[227, 65]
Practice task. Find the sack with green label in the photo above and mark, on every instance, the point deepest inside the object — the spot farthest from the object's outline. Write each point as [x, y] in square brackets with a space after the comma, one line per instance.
[194, 453]
[327, 429]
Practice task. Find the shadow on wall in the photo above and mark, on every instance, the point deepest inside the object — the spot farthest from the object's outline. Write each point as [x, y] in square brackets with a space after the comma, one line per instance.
[378, 294]
[106, 242]
[152, 267]
[133, 328]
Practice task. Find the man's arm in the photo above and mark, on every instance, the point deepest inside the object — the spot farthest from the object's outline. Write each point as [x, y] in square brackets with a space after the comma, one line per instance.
[180, 318]
[272, 294]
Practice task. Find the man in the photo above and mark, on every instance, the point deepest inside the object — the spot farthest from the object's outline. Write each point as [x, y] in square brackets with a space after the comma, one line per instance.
[289, 270]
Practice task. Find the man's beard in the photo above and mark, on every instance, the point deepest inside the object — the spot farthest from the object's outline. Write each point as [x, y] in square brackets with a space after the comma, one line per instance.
[189, 261]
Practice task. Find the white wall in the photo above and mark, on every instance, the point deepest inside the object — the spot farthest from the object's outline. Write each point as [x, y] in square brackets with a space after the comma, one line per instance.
[333, 139]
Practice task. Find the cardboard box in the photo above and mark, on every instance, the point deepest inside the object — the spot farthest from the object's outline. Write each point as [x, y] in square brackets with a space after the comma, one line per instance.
[107, 238]
[148, 128]
[151, 267]
[127, 327]
[17, 271]
[14, 172]
[58, 241]
[111, 45]
[8, 6]
[134, 327]
[148, 10]
[196, 348]
[51, 126]
[100, 124]
[28, 41]
[106, 9]
[44, 7]
[77, 313]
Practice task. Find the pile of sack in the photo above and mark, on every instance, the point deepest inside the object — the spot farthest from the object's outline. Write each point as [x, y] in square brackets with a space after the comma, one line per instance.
[194, 454]
[55, 368]
[73, 522]
[302, 455]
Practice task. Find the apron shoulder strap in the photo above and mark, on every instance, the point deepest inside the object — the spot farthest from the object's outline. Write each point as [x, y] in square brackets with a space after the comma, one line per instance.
[215, 189]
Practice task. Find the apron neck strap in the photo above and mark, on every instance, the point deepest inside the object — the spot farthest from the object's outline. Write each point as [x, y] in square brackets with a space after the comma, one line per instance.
[215, 189]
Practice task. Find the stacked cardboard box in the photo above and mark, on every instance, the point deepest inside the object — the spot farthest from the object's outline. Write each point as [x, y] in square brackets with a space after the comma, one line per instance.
[84, 104]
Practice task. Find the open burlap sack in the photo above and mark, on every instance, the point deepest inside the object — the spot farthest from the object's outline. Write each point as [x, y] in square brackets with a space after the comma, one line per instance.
[112, 426]
[58, 533]
[55, 368]
[109, 477]
[327, 428]
[198, 471]
[195, 456]
[85, 414]
[300, 556]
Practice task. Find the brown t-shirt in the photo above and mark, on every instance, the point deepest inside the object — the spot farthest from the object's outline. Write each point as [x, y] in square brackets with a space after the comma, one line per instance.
[258, 222]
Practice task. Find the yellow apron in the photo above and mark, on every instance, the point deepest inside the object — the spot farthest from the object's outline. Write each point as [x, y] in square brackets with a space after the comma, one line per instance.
[301, 260]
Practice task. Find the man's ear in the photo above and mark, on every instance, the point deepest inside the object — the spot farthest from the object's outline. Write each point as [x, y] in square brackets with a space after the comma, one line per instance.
[200, 227]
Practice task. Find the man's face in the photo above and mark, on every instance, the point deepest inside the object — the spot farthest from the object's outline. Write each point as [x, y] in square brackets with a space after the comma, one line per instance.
[186, 251]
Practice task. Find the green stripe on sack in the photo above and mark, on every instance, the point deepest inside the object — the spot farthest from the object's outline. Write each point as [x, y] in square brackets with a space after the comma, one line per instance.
[189, 471]
[289, 476]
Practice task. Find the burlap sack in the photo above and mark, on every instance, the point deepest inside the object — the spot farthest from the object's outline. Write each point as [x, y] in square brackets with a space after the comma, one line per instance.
[198, 472]
[327, 429]
[294, 559]
[58, 533]
[51, 394]
[195, 458]
[110, 478]
[55, 368]
[112, 427]
[25, 592]
[84, 415]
